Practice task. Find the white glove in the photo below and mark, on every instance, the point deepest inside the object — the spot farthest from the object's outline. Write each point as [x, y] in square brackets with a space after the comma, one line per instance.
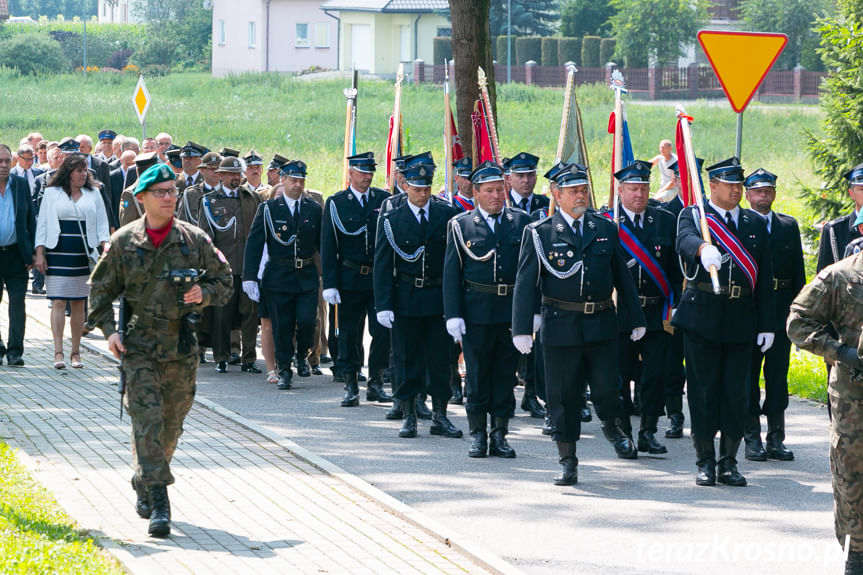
[331, 296]
[537, 322]
[638, 333]
[456, 328]
[673, 312]
[765, 341]
[251, 289]
[710, 256]
[523, 343]
[386, 318]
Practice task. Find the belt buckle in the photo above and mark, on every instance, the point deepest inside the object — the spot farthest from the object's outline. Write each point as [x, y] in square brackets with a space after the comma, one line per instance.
[735, 292]
[643, 300]
[775, 284]
[419, 282]
[588, 307]
[364, 270]
[298, 264]
[502, 289]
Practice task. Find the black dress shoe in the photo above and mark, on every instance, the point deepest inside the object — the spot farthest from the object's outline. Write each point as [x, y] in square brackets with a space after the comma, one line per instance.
[316, 370]
[38, 291]
[497, 444]
[409, 427]
[395, 412]
[376, 392]
[303, 369]
[706, 474]
[727, 473]
[14, 361]
[235, 359]
[285, 379]
[222, 367]
[617, 437]
[569, 463]
[202, 357]
[360, 376]
[547, 426]
[352, 391]
[530, 403]
[675, 430]
[250, 368]
[325, 359]
[585, 414]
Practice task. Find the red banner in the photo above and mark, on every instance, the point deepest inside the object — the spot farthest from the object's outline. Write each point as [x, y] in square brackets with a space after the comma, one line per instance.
[457, 150]
[482, 148]
[687, 195]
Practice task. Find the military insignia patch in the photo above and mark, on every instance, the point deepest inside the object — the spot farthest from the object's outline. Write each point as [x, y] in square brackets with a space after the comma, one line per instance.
[559, 227]
[591, 225]
[221, 256]
[561, 263]
[569, 254]
[650, 219]
[509, 216]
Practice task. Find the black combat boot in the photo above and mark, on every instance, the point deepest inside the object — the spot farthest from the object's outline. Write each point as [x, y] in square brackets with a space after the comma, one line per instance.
[497, 444]
[160, 519]
[455, 385]
[441, 425]
[530, 402]
[352, 390]
[375, 389]
[647, 436]
[547, 426]
[422, 409]
[222, 367]
[776, 436]
[303, 368]
[705, 461]
[675, 430]
[726, 471]
[569, 462]
[395, 411]
[617, 437]
[854, 563]
[142, 505]
[754, 449]
[477, 427]
[409, 427]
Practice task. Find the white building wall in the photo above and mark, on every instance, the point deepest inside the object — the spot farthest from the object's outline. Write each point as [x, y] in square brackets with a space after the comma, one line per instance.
[122, 13]
[239, 36]
[290, 52]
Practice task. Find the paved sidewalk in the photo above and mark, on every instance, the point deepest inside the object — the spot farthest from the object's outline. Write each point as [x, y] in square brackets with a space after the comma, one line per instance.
[244, 501]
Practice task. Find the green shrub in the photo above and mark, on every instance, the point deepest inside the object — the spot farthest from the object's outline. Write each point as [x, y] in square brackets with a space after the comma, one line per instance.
[441, 49]
[528, 48]
[549, 51]
[606, 50]
[501, 50]
[590, 52]
[158, 51]
[33, 54]
[568, 50]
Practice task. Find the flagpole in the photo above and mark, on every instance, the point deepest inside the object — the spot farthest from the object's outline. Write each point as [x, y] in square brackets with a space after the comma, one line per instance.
[695, 187]
[447, 131]
[486, 102]
[350, 125]
[396, 132]
[617, 84]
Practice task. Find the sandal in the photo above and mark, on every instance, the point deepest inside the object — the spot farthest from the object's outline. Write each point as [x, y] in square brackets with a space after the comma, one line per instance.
[75, 360]
[59, 364]
[273, 376]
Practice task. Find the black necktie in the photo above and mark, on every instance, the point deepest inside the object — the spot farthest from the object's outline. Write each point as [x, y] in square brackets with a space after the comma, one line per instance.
[524, 204]
[496, 219]
[189, 181]
[363, 201]
[576, 227]
[424, 223]
[729, 221]
[297, 215]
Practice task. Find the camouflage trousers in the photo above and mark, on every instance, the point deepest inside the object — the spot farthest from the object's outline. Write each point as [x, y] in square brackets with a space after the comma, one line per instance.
[159, 394]
[846, 465]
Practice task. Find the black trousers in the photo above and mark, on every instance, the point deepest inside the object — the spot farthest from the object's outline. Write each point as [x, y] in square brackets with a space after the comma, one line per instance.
[240, 312]
[776, 362]
[567, 371]
[490, 361]
[539, 367]
[654, 363]
[13, 275]
[421, 356]
[290, 312]
[355, 307]
[717, 386]
[675, 374]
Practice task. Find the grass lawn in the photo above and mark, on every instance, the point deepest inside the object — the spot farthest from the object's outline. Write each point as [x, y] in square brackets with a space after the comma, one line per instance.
[36, 536]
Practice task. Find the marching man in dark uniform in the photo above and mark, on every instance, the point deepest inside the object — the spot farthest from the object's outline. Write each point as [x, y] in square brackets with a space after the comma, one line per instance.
[719, 330]
[838, 233]
[570, 261]
[463, 200]
[408, 277]
[348, 236]
[290, 227]
[789, 277]
[647, 237]
[479, 278]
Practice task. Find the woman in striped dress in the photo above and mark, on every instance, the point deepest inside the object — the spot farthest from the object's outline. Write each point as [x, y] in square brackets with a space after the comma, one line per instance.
[72, 223]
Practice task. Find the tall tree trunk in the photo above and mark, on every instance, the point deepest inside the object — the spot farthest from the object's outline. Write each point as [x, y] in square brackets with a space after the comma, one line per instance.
[471, 48]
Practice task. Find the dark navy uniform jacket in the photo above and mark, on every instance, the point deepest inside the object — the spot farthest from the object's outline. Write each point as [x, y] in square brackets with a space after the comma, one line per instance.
[411, 288]
[549, 249]
[835, 236]
[476, 254]
[345, 250]
[786, 252]
[274, 226]
[536, 201]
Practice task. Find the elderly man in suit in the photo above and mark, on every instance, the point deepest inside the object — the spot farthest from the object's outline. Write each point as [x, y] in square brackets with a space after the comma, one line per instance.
[17, 230]
[27, 170]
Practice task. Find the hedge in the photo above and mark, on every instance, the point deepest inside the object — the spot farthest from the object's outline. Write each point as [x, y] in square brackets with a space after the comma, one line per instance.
[32, 54]
[528, 48]
[549, 51]
[441, 49]
[569, 50]
[606, 50]
[590, 52]
[501, 50]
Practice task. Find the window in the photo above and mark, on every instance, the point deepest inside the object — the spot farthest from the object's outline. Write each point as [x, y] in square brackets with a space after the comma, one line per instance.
[221, 32]
[444, 31]
[302, 40]
[251, 34]
[322, 35]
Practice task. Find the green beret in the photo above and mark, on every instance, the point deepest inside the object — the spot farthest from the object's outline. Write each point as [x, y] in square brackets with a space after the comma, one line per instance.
[154, 175]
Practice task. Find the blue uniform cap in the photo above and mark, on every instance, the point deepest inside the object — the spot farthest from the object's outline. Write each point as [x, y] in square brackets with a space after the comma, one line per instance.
[174, 158]
[554, 171]
[760, 178]
[364, 162]
[637, 172]
[487, 171]
[728, 171]
[463, 167]
[521, 163]
[854, 175]
[293, 169]
[399, 161]
[107, 135]
[69, 146]
[571, 176]
[675, 166]
[419, 175]
[423, 159]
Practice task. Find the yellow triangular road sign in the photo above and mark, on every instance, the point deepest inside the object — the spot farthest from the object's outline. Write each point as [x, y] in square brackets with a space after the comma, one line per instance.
[741, 60]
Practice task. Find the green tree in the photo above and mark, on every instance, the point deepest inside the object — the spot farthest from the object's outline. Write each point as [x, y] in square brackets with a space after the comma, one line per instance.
[794, 18]
[586, 18]
[656, 31]
[842, 106]
[180, 27]
[529, 17]
[44, 54]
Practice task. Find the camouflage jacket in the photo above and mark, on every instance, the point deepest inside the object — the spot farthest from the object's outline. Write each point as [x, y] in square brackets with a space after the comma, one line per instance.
[834, 297]
[126, 267]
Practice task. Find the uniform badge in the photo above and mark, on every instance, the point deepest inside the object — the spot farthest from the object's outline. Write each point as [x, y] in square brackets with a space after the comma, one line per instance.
[284, 228]
[590, 224]
[650, 219]
[476, 219]
[569, 254]
[467, 243]
[509, 216]
[559, 227]
[560, 263]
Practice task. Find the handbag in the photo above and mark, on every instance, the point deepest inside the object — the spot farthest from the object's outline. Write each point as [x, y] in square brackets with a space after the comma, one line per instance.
[92, 259]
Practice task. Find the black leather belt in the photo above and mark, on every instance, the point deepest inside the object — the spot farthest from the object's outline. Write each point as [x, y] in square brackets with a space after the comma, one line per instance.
[157, 323]
[297, 264]
[732, 291]
[8, 248]
[646, 301]
[585, 307]
[497, 289]
[419, 282]
[363, 269]
[781, 284]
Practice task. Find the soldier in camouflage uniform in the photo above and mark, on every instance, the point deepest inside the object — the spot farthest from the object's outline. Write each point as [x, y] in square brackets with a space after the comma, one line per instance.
[835, 297]
[161, 352]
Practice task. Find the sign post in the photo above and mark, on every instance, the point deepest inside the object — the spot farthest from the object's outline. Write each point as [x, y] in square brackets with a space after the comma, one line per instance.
[741, 61]
[141, 101]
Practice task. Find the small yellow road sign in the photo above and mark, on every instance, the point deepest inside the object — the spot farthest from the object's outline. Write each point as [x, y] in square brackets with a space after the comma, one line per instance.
[141, 99]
